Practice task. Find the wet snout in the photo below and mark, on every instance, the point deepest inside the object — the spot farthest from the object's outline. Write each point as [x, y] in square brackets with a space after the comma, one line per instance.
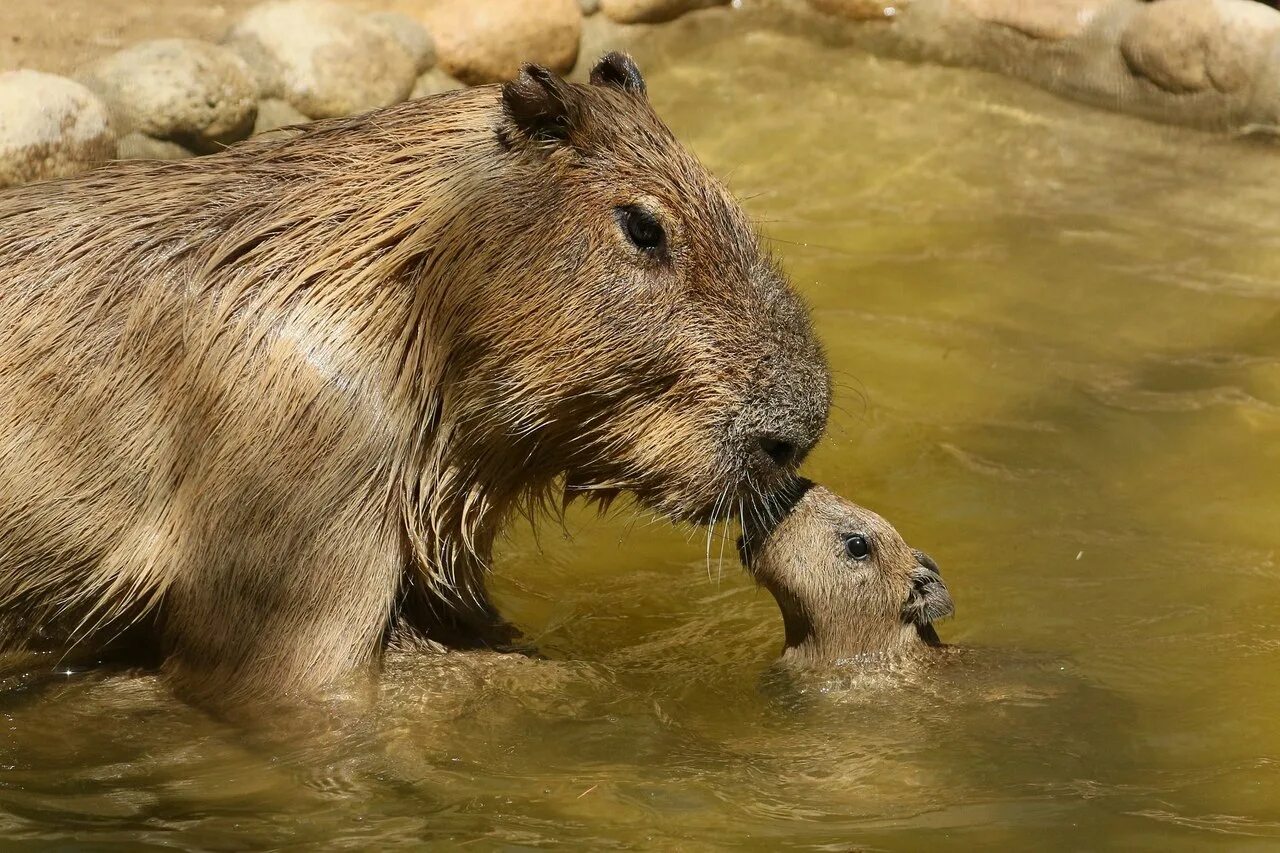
[929, 599]
[790, 400]
[781, 429]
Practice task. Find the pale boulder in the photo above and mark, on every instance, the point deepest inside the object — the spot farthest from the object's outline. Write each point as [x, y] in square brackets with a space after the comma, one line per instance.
[1194, 45]
[324, 58]
[653, 11]
[200, 96]
[50, 127]
[488, 42]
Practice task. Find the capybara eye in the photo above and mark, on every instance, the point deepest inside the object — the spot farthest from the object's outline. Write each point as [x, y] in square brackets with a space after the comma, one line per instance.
[642, 228]
[856, 546]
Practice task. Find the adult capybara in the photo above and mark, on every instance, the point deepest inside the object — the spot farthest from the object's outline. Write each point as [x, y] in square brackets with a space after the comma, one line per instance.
[264, 412]
[849, 588]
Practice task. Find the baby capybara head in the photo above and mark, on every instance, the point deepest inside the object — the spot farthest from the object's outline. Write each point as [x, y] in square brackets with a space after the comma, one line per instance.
[848, 586]
[637, 336]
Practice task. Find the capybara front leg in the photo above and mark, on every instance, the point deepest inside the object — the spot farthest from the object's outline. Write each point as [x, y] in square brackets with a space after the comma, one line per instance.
[457, 619]
[239, 631]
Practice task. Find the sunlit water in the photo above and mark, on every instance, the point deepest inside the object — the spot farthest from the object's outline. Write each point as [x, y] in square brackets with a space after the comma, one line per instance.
[1057, 342]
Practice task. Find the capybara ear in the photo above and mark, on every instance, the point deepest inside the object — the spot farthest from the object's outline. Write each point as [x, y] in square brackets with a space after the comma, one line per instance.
[618, 70]
[542, 107]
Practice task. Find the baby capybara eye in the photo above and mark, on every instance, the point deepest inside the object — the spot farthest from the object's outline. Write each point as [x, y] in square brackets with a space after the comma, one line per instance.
[642, 228]
[857, 547]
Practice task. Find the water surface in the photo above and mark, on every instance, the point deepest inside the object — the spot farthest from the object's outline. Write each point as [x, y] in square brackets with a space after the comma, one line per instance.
[1056, 337]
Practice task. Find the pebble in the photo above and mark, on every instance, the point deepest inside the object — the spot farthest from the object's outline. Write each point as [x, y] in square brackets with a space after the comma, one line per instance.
[1192, 45]
[324, 58]
[200, 96]
[653, 11]
[858, 10]
[139, 146]
[273, 114]
[434, 82]
[50, 127]
[1043, 19]
[413, 37]
[488, 42]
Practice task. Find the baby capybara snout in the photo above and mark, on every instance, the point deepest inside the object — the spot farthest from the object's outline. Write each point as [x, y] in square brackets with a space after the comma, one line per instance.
[848, 586]
[929, 599]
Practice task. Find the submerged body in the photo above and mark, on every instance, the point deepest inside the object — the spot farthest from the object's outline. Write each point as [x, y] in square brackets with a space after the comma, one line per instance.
[849, 588]
[263, 413]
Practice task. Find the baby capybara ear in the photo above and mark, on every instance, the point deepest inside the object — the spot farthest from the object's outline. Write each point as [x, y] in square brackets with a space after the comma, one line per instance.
[541, 106]
[619, 71]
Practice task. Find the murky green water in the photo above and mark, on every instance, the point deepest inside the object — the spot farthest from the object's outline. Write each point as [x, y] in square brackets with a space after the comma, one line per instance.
[1056, 334]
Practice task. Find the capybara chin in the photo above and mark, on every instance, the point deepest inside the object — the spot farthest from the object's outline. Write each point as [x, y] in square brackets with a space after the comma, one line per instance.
[264, 412]
[849, 588]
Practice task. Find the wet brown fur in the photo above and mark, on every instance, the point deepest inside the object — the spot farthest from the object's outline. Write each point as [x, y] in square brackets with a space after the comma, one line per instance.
[264, 412]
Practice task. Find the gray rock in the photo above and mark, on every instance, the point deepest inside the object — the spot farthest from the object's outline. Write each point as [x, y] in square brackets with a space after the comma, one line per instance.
[201, 96]
[413, 37]
[1213, 64]
[1043, 19]
[857, 10]
[589, 7]
[139, 146]
[324, 58]
[653, 11]
[50, 127]
[434, 82]
[487, 42]
[1192, 45]
[600, 35]
[274, 114]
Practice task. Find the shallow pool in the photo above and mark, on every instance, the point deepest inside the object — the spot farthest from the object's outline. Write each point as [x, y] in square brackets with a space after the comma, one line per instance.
[1056, 339]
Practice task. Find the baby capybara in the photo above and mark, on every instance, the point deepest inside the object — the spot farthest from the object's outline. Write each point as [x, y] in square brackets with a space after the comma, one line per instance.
[850, 589]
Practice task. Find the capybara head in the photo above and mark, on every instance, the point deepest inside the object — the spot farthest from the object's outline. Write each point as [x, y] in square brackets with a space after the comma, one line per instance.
[849, 587]
[636, 336]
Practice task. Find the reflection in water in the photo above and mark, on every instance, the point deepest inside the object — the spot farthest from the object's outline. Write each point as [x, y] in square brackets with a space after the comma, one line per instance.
[1056, 337]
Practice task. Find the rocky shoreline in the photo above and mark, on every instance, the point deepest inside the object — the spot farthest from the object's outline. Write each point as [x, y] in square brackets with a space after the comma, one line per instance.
[283, 62]
[1206, 63]
[1211, 64]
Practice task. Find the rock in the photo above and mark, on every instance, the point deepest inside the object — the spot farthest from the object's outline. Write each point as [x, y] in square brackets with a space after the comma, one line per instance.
[859, 10]
[1042, 19]
[139, 146]
[434, 82]
[1166, 43]
[1211, 64]
[653, 11]
[201, 96]
[324, 58]
[50, 127]
[589, 7]
[413, 37]
[657, 11]
[600, 35]
[1192, 45]
[488, 42]
[274, 114]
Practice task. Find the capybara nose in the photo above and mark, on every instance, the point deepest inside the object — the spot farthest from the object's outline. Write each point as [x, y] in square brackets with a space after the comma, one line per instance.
[929, 599]
[782, 451]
